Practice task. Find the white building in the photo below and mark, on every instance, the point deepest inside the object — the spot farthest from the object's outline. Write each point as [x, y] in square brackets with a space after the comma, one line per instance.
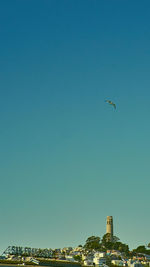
[99, 261]
[88, 262]
[69, 258]
[99, 254]
[136, 264]
[117, 262]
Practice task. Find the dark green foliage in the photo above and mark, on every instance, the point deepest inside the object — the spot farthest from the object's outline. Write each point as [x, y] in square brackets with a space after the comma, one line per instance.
[106, 239]
[93, 242]
[114, 244]
[77, 258]
[141, 249]
[106, 243]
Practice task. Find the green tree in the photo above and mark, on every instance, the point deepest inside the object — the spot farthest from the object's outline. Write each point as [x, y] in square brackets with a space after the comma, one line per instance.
[114, 243]
[124, 248]
[93, 242]
[115, 239]
[77, 258]
[106, 241]
[106, 238]
[140, 249]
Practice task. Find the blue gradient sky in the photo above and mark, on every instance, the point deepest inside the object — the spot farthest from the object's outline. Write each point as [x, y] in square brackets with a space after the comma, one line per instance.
[68, 159]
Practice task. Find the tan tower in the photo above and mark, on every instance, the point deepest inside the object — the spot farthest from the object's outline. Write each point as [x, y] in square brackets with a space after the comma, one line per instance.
[109, 227]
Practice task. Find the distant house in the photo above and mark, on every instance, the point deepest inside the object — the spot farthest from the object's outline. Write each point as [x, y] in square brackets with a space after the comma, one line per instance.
[87, 260]
[99, 261]
[67, 249]
[136, 264]
[88, 263]
[69, 258]
[117, 262]
[99, 254]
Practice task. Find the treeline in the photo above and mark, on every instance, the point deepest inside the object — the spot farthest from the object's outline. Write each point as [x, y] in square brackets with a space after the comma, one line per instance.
[142, 250]
[109, 243]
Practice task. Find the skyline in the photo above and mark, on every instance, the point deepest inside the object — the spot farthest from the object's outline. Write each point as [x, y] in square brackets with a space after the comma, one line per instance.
[109, 230]
[68, 159]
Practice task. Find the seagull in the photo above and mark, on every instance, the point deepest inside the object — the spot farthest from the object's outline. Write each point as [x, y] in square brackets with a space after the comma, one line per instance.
[111, 103]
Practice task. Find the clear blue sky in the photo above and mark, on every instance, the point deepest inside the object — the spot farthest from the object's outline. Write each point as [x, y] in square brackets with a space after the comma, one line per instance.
[67, 158]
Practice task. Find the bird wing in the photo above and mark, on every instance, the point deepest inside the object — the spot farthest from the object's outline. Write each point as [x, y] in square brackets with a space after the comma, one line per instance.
[111, 103]
[108, 101]
[114, 105]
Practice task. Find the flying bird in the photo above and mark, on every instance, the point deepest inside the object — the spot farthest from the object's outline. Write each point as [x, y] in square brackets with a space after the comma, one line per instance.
[111, 103]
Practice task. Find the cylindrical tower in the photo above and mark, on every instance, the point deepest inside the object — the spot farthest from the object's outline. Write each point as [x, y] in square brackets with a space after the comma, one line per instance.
[109, 227]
